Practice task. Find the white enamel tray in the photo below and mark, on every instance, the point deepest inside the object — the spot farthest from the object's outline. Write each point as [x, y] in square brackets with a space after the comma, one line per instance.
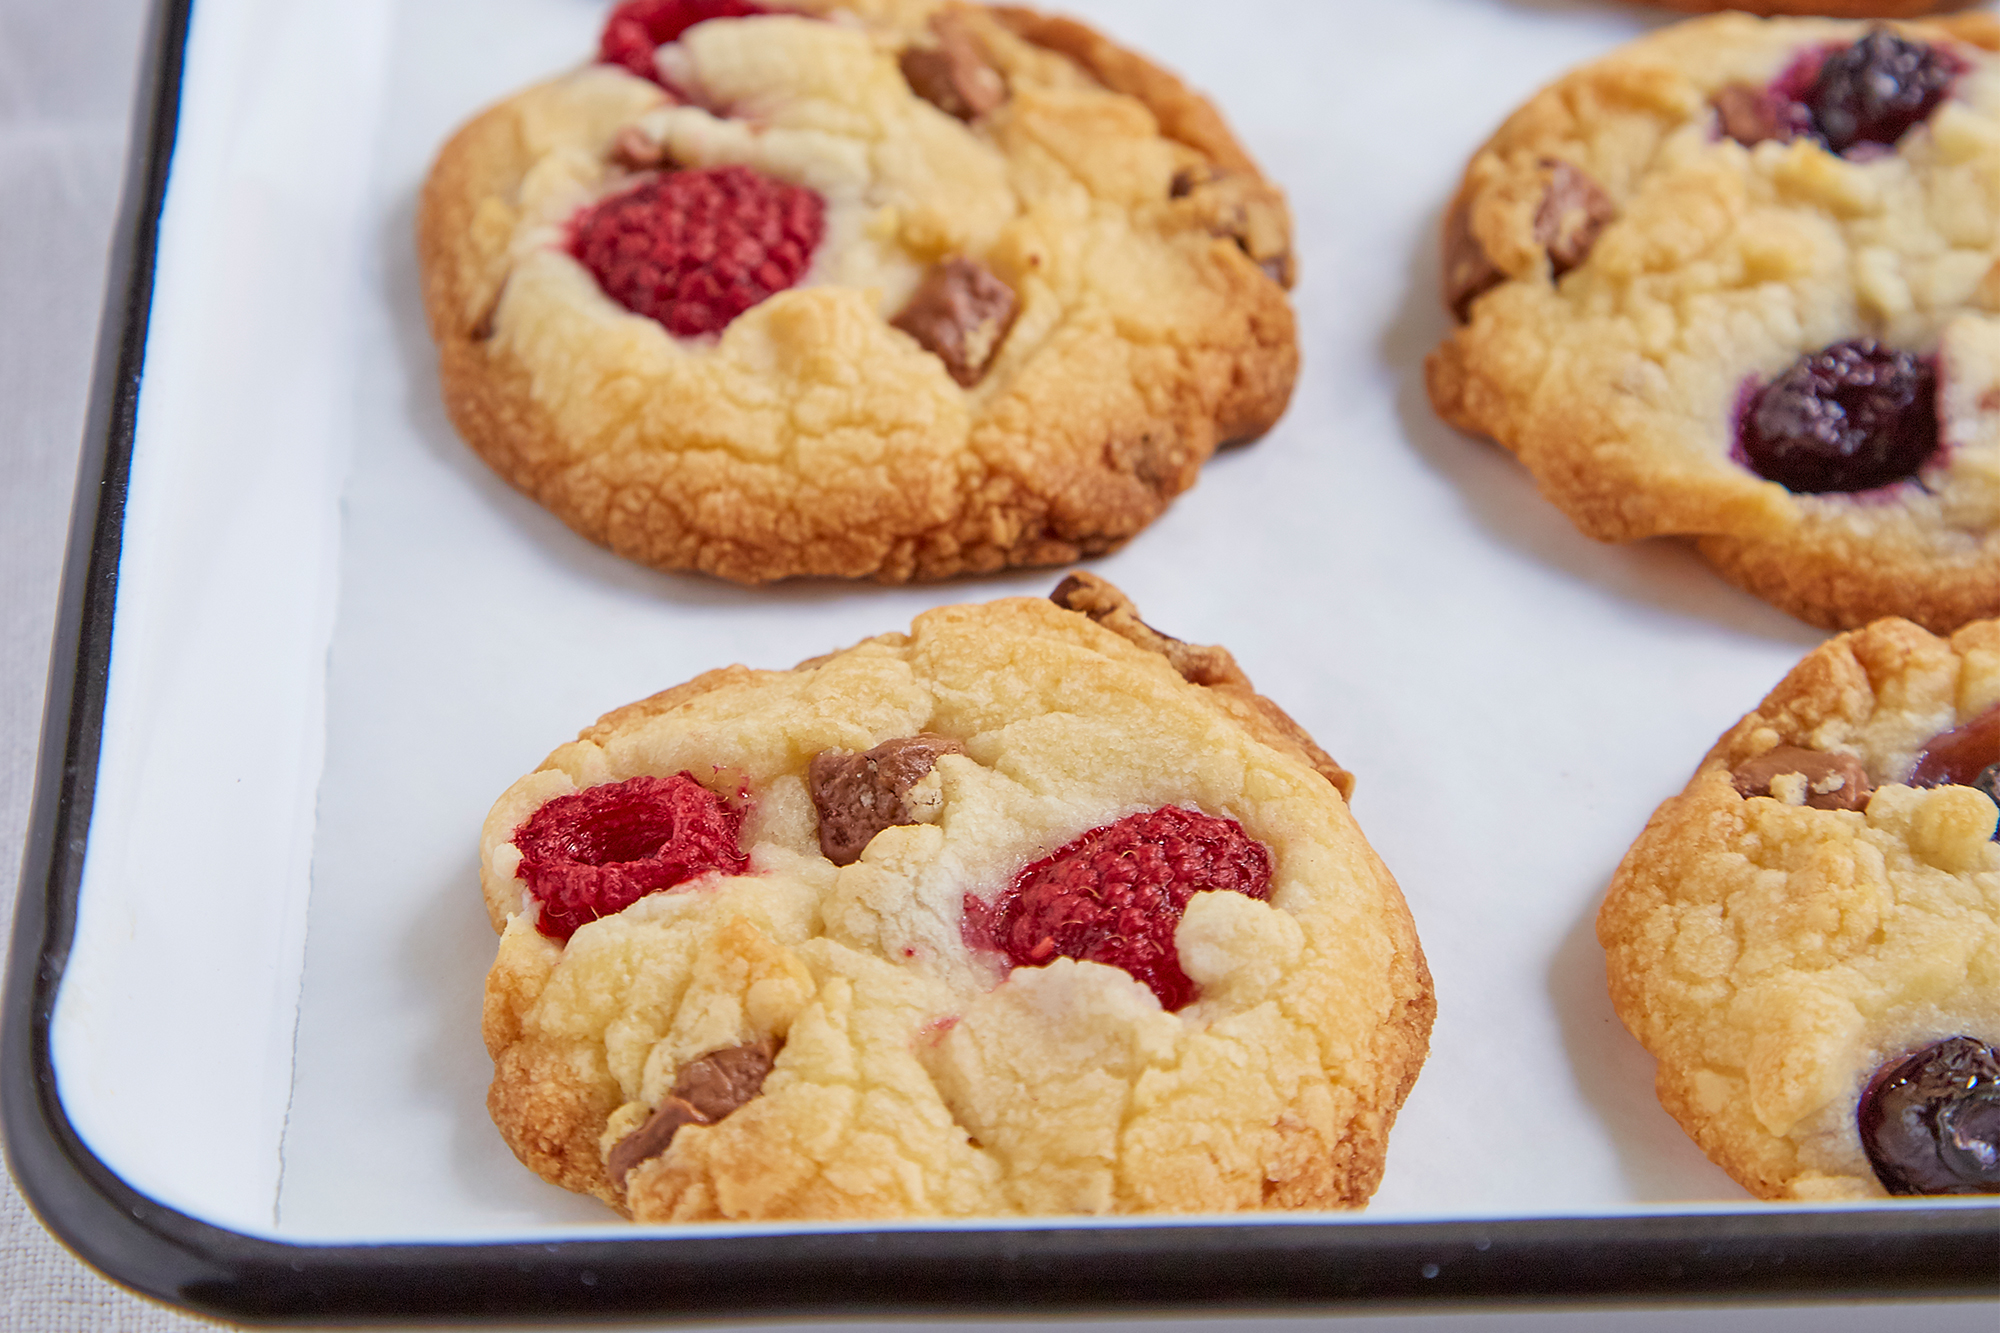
[310, 637]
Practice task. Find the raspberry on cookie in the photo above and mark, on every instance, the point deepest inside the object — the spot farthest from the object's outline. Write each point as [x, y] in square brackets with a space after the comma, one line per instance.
[1808, 938]
[886, 289]
[1740, 281]
[1032, 910]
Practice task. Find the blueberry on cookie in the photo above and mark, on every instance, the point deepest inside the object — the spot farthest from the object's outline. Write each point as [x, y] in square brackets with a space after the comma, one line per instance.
[887, 289]
[1032, 910]
[1740, 281]
[1808, 938]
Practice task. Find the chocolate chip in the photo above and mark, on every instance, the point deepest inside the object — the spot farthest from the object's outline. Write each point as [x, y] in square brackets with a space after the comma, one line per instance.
[1243, 207]
[705, 1091]
[1468, 272]
[1573, 212]
[1751, 115]
[650, 1139]
[954, 75]
[961, 314]
[859, 795]
[1833, 781]
[1199, 664]
[723, 1080]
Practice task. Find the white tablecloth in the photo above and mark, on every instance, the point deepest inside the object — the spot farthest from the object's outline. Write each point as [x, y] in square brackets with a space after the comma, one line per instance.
[67, 71]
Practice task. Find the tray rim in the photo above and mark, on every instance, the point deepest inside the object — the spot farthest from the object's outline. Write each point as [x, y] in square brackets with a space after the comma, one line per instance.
[1909, 1252]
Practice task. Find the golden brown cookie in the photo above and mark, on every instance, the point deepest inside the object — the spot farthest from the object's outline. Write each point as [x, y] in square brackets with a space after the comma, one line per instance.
[1031, 910]
[1740, 281]
[1845, 9]
[1808, 938]
[892, 289]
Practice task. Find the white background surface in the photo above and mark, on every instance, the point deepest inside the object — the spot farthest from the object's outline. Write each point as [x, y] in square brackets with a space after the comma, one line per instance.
[405, 511]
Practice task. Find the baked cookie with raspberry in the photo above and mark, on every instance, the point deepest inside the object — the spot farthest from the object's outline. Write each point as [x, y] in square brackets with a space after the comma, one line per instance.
[1031, 910]
[1808, 938]
[1740, 281]
[886, 289]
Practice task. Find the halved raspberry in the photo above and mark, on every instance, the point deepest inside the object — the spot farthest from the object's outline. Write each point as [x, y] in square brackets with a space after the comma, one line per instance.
[638, 28]
[1850, 418]
[1931, 1122]
[695, 249]
[1876, 89]
[1115, 895]
[597, 851]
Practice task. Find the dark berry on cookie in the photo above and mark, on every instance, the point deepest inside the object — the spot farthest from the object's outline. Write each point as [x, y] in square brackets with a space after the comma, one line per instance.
[858, 795]
[1852, 417]
[597, 851]
[1876, 89]
[1115, 895]
[1931, 1122]
[1988, 781]
[1833, 781]
[638, 28]
[961, 314]
[1962, 755]
[953, 76]
[704, 1092]
[695, 249]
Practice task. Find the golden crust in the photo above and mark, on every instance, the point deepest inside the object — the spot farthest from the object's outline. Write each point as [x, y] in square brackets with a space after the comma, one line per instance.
[1773, 956]
[914, 1076]
[812, 438]
[1618, 382]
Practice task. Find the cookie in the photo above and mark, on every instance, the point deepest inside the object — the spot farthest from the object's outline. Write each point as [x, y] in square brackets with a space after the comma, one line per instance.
[1845, 9]
[1808, 937]
[890, 289]
[1740, 282]
[1032, 910]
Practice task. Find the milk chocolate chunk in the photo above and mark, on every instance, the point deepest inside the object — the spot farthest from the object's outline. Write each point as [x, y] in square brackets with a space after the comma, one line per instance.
[1574, 212]
[1833, 781]
[1244, 208]
[1751, 115]
[953, 76]
[721, 1081]
[1468, 271]
[859, 795]
[961, 314]
[652, 1138]
[705, 1091]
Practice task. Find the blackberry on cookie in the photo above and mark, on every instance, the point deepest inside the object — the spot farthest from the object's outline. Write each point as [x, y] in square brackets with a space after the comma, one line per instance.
[1740, 282]
[1808, 938]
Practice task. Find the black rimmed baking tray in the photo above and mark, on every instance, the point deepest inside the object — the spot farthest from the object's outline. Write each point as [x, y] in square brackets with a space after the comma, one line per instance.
[241, 1069]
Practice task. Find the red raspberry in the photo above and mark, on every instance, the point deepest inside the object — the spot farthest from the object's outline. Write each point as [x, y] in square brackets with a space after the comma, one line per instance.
[595, 852]
[638, 28]
[1115, 895]
[695, 249]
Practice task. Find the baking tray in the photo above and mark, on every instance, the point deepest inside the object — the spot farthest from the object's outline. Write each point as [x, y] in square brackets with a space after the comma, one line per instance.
[305, 638]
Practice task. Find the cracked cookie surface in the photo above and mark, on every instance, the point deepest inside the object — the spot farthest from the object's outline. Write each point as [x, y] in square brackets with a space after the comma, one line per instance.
[804, 1039]
[1821, 904]
[962, 287]
[1655, 241]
